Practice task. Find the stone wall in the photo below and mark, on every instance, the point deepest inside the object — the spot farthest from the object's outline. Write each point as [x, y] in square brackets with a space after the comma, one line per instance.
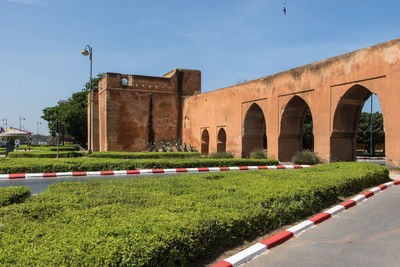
[266, 113]
[334, 90]
[135, 110]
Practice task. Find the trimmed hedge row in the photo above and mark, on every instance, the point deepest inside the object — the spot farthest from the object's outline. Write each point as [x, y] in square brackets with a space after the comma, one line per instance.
[46, 154]
[50, 148]
[144, 155]
[64, 148]
[31, 165]
[169, 221]
[67, 153]
[13, 194]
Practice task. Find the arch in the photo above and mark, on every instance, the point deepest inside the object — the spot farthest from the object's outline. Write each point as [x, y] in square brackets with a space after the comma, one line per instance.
[221, 144]
[254, 131]
[291, 132]
[345, 123]
[205, 142]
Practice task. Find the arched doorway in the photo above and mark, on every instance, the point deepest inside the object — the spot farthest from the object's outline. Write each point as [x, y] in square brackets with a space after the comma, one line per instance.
[346, 122]
[254, 131]
[221, 145]
[371, 143]
[293, 131]
[205, 141]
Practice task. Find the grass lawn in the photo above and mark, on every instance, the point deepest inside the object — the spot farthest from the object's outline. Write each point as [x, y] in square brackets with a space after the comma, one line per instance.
[170, 221]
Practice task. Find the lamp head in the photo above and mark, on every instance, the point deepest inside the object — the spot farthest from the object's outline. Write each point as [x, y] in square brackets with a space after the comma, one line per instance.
[85, 52]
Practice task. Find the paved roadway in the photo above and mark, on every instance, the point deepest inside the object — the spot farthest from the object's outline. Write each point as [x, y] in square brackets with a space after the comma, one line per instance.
[365, 235]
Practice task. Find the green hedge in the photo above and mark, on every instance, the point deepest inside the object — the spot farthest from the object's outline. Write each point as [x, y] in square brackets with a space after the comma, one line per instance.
[46, 154]
[32, 165]
[69, 153]
[221, 155]
[13, 194]
[50, 147]
[171, 221]
[144, 155]
[64, 148]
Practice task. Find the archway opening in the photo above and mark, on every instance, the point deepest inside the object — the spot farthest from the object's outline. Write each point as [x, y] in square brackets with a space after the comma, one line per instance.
[371, 143]
[254, 131]
[221, 145]
[351, 126]
[296, 129]
[205, 141]
[308, 134]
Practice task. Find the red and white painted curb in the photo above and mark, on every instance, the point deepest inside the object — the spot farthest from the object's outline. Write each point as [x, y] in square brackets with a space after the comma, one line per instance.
[146, 171]
[275, 240]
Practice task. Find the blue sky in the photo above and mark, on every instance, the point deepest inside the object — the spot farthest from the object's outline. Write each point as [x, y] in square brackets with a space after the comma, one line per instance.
[228, 40]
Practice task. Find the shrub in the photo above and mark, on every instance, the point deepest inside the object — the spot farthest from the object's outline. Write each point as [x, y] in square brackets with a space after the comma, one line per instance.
[65, 148]
[305, 157]
[221, 155]
[50, 148]
[259, 154]
[144, 155]
[169, 221]
[46, 154]
[13, 194]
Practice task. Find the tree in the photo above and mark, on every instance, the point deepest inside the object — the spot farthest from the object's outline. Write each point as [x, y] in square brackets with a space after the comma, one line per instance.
[308, 136]
[378, 133]
[72, 113]
[363, 136]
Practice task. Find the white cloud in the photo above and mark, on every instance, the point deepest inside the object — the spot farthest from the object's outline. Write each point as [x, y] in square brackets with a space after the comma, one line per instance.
[29, 2]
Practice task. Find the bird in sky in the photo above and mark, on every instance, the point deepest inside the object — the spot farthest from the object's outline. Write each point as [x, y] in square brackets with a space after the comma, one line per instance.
[284, 9]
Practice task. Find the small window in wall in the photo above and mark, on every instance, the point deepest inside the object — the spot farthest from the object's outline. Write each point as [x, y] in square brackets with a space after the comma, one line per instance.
[124, 82]
[205, 141]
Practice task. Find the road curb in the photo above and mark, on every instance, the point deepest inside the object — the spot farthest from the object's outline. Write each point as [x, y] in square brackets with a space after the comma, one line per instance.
[280, 238]
[145, 171]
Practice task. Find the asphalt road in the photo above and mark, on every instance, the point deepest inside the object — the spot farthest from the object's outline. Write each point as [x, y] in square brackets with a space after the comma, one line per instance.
[365, 235]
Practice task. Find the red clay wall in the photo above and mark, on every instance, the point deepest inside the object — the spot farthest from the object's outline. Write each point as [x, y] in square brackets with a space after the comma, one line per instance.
[95, 144]
[142, 108]
[334, 90]
[321, 85]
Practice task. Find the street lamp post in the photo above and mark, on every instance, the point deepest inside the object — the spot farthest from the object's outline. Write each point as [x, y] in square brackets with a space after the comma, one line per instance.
[88, 51]
[20, 122]
[37, 127]
[5, 123]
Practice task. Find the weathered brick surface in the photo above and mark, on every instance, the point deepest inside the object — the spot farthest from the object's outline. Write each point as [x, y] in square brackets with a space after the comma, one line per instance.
[140, 109]
[334, 90]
